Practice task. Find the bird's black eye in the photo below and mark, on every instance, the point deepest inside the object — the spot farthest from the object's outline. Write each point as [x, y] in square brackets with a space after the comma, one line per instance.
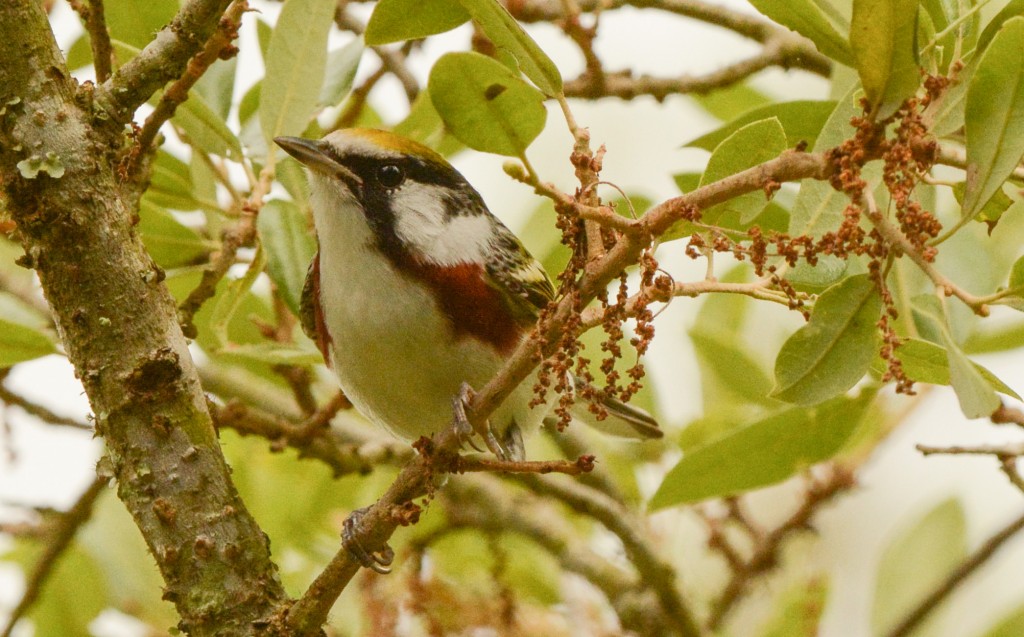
[390, 176]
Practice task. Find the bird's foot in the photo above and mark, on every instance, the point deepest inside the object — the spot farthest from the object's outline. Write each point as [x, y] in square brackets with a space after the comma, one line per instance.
[465, 428]
[379, 561]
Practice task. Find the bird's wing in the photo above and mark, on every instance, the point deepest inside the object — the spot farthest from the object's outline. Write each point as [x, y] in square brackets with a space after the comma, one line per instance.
[311, 315]
[518, 276]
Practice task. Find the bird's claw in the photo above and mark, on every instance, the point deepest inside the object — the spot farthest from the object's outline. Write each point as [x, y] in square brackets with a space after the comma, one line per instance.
[465, 428]
[377, 561]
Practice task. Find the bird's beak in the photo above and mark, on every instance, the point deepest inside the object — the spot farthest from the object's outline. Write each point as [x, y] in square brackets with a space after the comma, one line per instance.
[311, 154]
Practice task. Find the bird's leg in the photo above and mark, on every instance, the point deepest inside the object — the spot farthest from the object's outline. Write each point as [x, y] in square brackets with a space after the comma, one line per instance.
[379, 561]
[466, 429]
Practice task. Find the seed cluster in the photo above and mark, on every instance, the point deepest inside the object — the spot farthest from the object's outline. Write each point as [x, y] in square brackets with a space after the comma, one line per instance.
[568, 360]
[906, 155]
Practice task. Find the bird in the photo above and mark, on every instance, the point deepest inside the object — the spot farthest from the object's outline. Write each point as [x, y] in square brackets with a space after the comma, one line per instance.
[417, 290]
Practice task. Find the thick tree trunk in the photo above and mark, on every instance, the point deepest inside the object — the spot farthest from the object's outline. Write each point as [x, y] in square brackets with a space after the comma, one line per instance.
[59, 168]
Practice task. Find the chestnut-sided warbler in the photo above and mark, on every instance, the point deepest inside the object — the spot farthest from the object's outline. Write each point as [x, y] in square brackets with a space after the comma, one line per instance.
[418, 289]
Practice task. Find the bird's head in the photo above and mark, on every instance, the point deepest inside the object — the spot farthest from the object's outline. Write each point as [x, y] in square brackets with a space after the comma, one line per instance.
[413, 201]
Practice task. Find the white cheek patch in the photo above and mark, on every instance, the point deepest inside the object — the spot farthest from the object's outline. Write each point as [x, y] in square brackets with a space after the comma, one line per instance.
[420, 222]
[336, 212]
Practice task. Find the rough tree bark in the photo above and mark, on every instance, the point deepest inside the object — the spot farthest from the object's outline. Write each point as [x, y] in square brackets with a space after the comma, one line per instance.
[59, 156]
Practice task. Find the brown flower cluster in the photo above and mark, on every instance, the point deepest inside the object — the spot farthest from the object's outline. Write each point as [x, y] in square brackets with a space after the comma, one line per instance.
[568, 360]
[907, 152]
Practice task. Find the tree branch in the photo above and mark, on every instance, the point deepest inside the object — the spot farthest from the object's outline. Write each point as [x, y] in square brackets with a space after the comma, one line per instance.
[654, 571]
[784, 50]
[959, 575]
[163, 60]
[57, 541]
[39, 411]
[177, 93]
[482, 502]
[118, 324]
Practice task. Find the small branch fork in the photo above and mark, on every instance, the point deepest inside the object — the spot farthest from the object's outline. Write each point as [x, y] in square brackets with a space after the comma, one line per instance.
[372, 528]
[767, 545]
[217, 47]
[59, 537]
[1008, 456]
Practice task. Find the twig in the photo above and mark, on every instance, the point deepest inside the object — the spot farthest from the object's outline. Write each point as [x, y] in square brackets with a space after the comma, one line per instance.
[177, 93]
[64, 529]
[766, 551]
[481, 502]
[343, 456]
[791, 165]
[39, 411]
[959, 575]
[1007, 415]
[987, 450]
[372, 529]
[785, 51]
[357, 99]
[242, 234]
[656, 573]
[895, 237]
[757, 290]
[470, 464]
[163, 59]
[573, 445]
[95, 20]
[1008, 465]
[957, 157]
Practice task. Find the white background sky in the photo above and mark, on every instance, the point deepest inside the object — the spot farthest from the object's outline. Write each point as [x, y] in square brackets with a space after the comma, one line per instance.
[47, 465]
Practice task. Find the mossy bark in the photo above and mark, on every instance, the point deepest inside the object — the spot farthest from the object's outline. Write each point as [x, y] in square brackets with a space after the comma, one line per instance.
[59, 166]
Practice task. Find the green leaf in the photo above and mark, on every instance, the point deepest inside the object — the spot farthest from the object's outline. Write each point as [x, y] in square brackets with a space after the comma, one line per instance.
[949, 113]
[342, 65]
[217, 86]
[1017, 274]
[802, 121]
[729, 365]
[833, 351]
[1011, 626]
[295, 67]
[819, 207]
[273, 354]
[749, 146]
[506, 34]
[80, 52]
[882, 35]
[206, 129]
[137, 21]
[927, 362]
[19, 343]
[397, 20]
[977, 397]
[1012, 9]
[729, 102]
[929, 550]
[940, 14]
[994, 116]
[798, 610]
[75, 576]
[425, 125]
[227, 303]
[485, 105]
[169, 242]
[290, 246]
[763, 452]
[814, 19]
[992, 211]
[171, 186]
